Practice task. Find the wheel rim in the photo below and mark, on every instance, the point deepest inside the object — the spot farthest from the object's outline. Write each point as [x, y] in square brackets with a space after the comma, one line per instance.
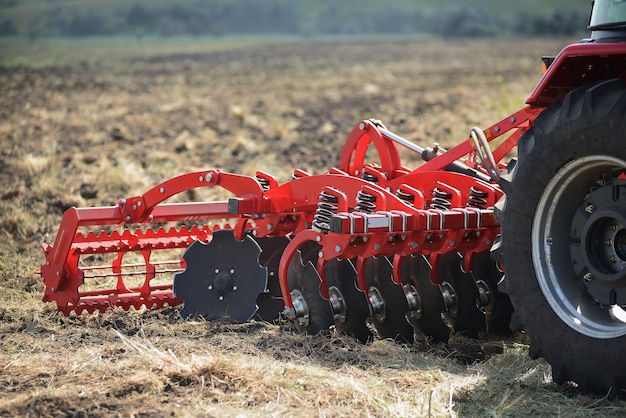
[582, 278]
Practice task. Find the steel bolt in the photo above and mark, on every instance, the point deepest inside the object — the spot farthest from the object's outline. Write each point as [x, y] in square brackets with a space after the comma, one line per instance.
[613, 259]
[122, 202]
[608, 243]
[234, 288]
[338, 248]
[221, 298]
[414, 245]
[377, 246]
[217, 271]
[232, 271]
[590, 209]
[512, 119]
[614, 227]
[270, 227]
[210, 287]
[362, 126]
[127, 219]
[201, 178]
[162, 189]
[208, 177]
[588, 277]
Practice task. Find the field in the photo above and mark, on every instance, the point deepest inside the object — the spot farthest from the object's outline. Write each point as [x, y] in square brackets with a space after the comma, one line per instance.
[85, 124]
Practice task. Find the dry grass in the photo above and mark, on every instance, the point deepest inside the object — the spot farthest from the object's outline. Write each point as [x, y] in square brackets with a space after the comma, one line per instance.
[93, 128]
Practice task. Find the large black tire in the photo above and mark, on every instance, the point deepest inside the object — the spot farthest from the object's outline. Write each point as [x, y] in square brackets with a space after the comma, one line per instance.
[563, 224]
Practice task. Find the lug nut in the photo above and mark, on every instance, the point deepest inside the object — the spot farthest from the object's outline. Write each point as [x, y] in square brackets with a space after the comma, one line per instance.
[588, 277]
[590, 209]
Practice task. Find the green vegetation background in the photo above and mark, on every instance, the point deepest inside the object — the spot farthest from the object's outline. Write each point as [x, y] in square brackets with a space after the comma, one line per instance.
[448, 18]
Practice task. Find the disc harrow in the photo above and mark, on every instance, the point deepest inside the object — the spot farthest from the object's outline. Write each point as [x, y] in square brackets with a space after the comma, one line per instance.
[330, 245]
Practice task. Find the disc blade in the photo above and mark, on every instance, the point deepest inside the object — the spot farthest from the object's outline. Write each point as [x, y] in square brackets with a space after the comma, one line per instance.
[312, 310]
[498, 315]
[388, 313]
[468, 320]
[222, 279]
[270, 303]
[416, 272]
[350, 305]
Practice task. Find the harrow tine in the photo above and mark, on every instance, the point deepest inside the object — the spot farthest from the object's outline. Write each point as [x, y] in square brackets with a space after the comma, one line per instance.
[424, 298]
[388, 304]
[349, 305]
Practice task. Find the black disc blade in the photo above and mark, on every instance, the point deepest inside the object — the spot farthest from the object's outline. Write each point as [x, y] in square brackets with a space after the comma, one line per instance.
[349, 304]
[427, 318]
[270, 303]
[499, 310]
[388, 302]
[313, 313]
[465, 319]
[222, 280]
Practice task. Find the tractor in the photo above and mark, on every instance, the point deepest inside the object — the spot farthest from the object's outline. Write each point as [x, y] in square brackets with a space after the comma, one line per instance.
[469, 242]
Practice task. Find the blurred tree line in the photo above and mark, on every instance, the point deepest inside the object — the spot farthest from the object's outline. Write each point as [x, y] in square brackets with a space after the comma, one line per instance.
[223, 17]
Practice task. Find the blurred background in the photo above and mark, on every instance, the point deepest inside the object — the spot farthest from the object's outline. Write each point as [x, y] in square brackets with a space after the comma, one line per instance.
[35, 19]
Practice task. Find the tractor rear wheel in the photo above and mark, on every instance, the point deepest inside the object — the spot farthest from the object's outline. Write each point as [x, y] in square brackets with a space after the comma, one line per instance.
[563, 242]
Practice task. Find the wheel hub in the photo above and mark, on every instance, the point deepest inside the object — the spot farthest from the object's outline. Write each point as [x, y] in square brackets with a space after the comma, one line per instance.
[413, 300]
[337, 304]
[377, 304]
[600, 257]
[579, 245]
[301, 308]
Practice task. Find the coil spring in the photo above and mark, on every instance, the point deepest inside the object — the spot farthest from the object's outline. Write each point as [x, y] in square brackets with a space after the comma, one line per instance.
[365, 202]
[265, 183]
[326, 208]
[477, 198]
[407, 198]
[441, 200]
[370, 177]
